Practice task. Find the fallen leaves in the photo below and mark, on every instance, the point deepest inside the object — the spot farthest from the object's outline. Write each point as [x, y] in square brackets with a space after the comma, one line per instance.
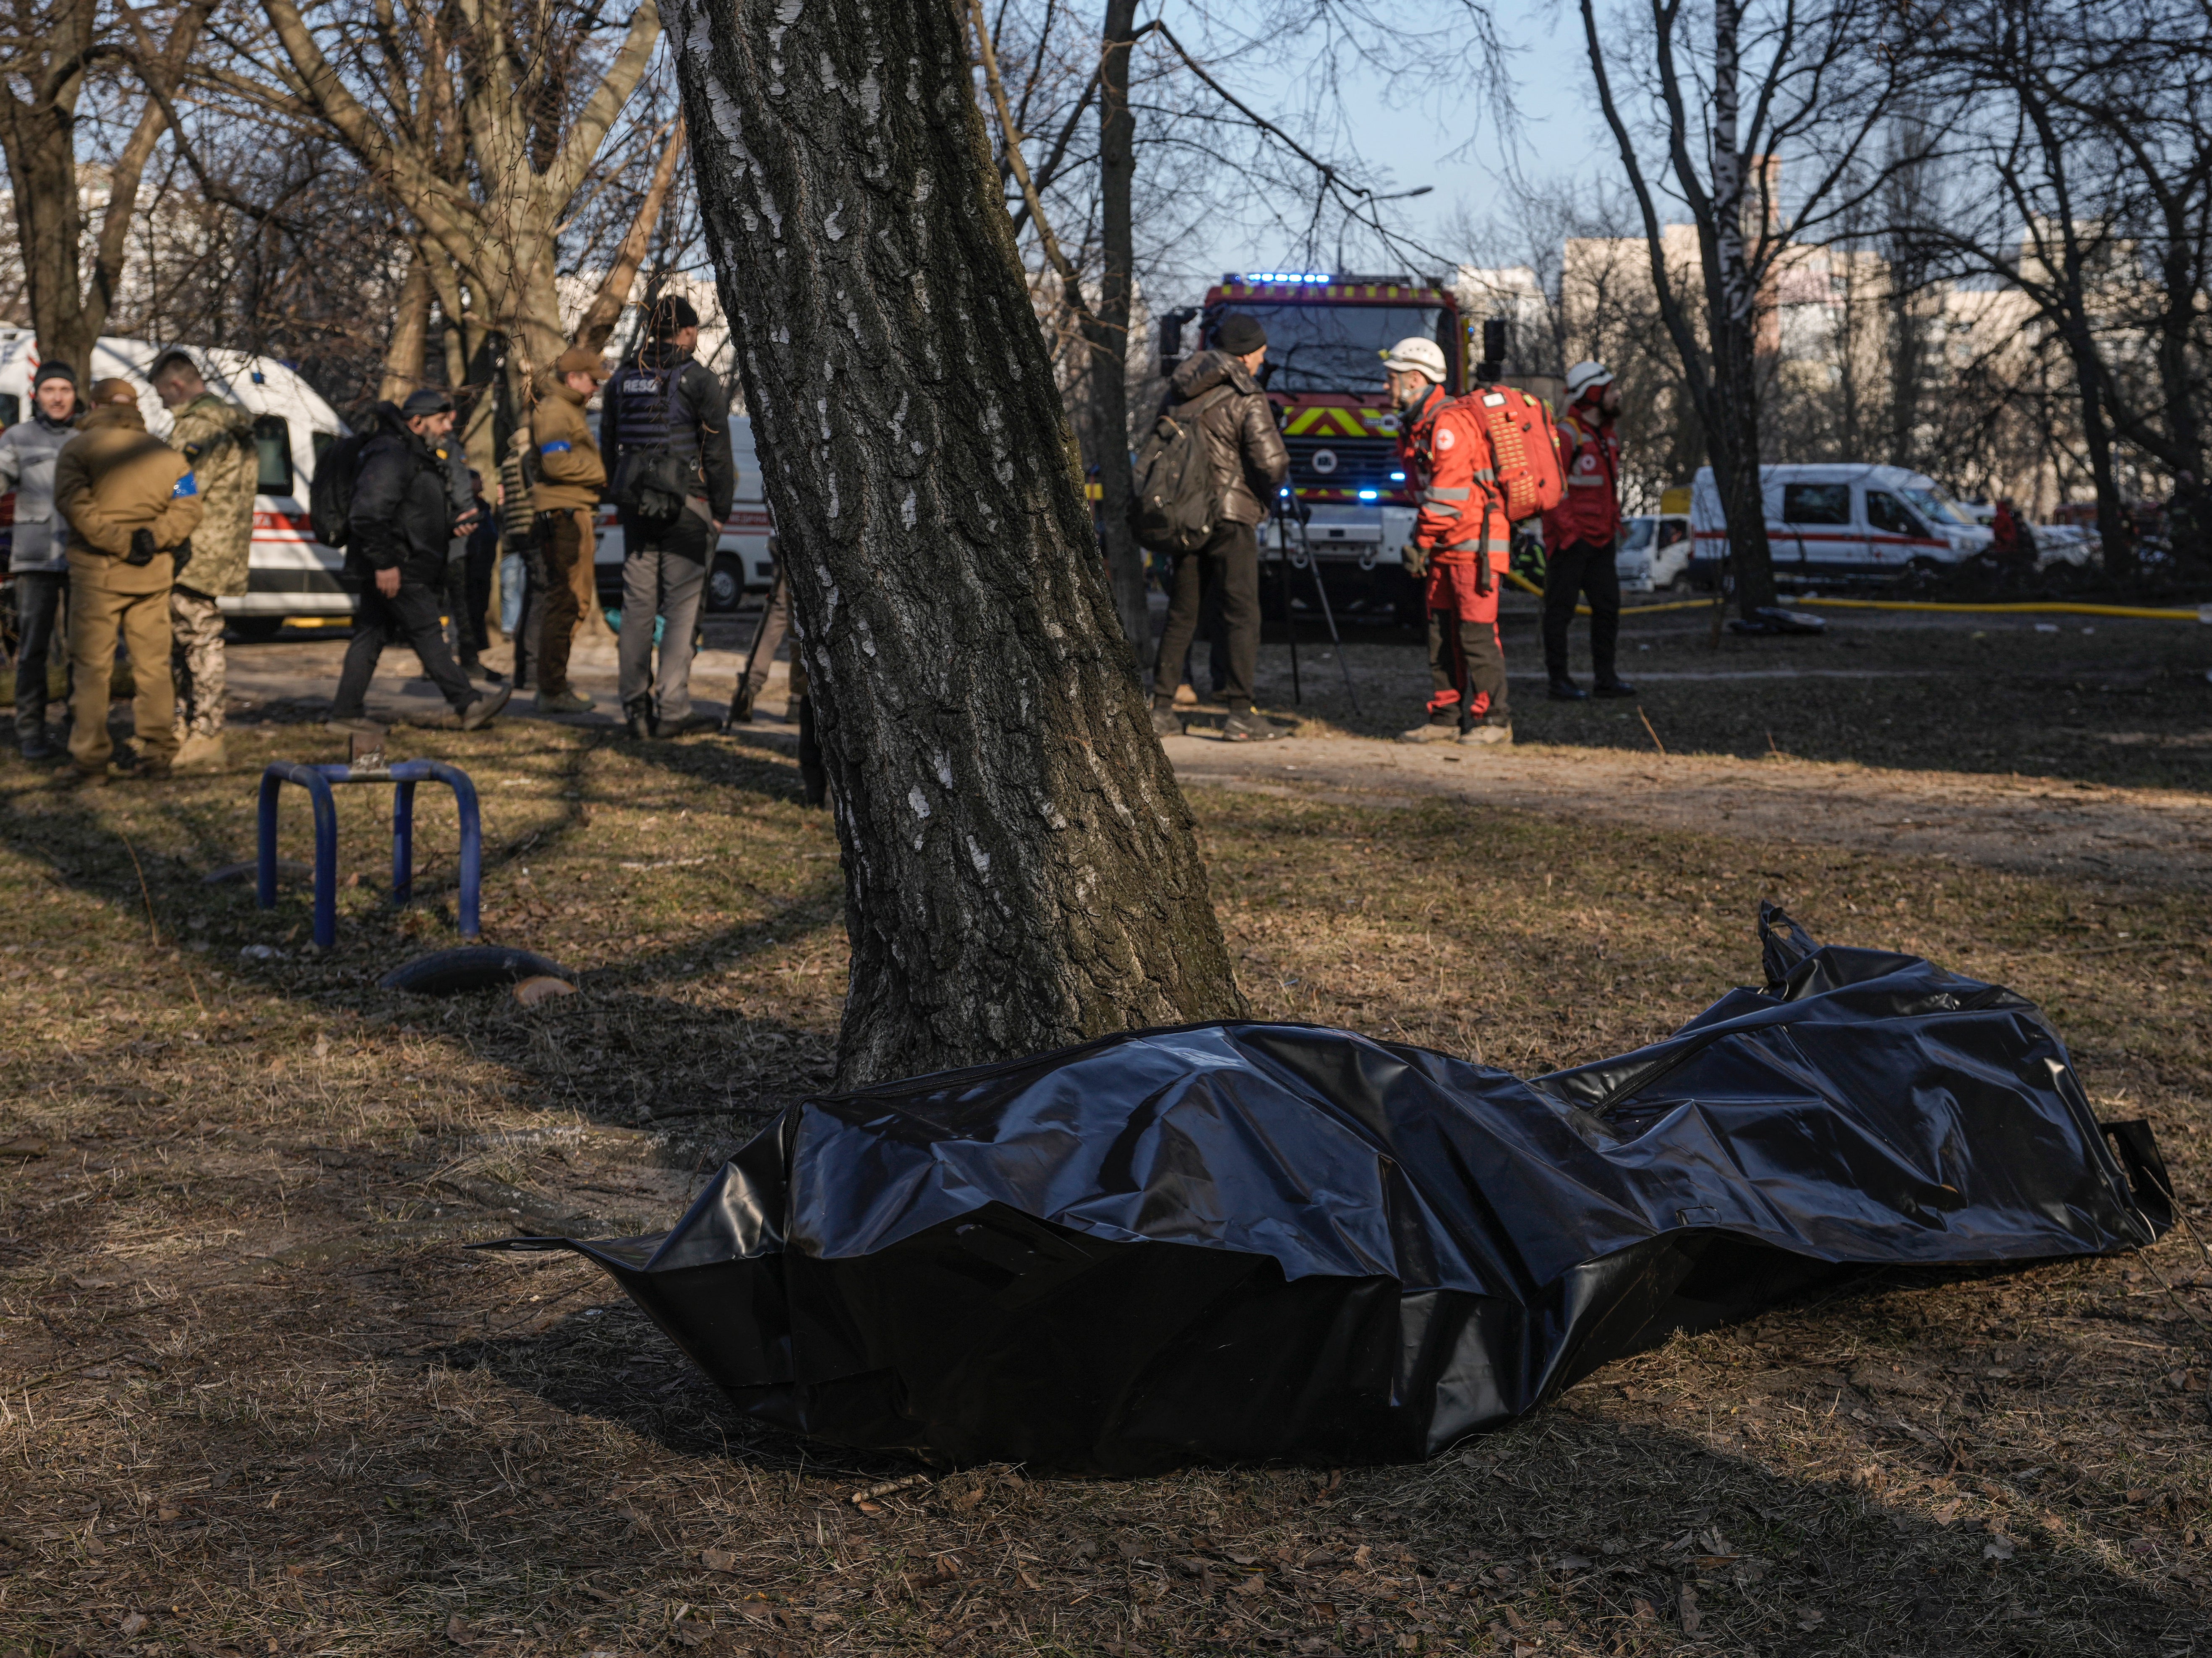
[718, 1559]
[1686, 1605]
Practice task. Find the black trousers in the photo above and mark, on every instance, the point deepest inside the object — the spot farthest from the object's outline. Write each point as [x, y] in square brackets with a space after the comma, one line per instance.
[1582, 570]
[1228, 565]
[410, 618]
[38, 595]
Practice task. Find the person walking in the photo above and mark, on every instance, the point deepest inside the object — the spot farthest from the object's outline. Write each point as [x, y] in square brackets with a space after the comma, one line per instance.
[1460, 547]
[566, 497]
[1215, 390]
[131, 506]
[665, 437]
[216, 438]
[402, 522]
[39, 557]
[1583, 533]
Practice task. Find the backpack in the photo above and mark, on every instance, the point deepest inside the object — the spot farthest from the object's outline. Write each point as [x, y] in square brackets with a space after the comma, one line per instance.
[330, 495]
[1176, 506]
[1522, 448]
[651, 484]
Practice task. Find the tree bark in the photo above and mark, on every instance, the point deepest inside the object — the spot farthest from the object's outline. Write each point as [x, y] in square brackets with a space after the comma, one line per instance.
[1021, 871]
[1107, 330]
[1731, 303]
[411, 333]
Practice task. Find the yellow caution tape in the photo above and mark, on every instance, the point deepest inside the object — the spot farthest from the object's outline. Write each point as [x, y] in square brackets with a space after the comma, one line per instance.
[2051, 607]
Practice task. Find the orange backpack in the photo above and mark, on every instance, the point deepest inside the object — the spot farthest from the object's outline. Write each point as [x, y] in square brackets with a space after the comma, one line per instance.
[1522, 448]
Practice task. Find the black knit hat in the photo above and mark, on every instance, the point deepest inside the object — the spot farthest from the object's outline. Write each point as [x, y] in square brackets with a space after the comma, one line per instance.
[670, 315]
[53, 368]
[1240, 335]
[430, 400]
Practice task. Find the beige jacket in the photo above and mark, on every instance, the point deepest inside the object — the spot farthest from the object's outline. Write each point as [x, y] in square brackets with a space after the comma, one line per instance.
[115, 477]
[570, 473]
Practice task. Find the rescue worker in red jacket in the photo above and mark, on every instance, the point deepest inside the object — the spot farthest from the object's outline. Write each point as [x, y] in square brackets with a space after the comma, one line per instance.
[1460, 545]
[1583, 533]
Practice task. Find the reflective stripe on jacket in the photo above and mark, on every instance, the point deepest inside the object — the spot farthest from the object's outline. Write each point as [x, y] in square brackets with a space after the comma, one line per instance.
[1589, 461]
[1446, 450]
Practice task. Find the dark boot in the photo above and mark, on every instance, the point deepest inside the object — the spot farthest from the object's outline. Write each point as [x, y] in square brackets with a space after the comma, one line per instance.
[1564, 690]
[637, 714]
[741, 704]
[1612, 684]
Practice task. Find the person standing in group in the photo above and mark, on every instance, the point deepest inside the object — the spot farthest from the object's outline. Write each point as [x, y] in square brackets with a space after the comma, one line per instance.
[217, 438]
[472, 602]
[38, 559]
[768, 640]
[131, 506]
[1215, 390]
[1461, 546]
[566, 496]
[521, 581]
[665, 435]
[397, 545]
[1583, 533]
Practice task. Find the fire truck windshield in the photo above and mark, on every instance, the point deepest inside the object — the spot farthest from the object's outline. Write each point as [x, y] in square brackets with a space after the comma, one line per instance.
[1336, 348]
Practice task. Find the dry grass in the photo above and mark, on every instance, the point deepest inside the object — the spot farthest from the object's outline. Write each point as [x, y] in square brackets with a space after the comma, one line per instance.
[253, 1395]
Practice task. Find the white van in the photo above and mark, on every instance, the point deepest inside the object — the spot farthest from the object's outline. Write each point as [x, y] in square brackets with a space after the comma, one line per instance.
[745, 558]
[290, 572]
[1655, 553]
[1850, 522]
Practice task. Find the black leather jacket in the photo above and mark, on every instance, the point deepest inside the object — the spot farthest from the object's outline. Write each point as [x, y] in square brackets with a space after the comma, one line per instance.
[1246, 450]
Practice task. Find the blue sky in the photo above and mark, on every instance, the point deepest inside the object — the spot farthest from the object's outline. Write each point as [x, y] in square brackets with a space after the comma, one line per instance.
[1559, 137]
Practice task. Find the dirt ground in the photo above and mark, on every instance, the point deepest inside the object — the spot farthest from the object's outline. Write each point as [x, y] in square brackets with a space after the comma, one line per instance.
[255, 1399]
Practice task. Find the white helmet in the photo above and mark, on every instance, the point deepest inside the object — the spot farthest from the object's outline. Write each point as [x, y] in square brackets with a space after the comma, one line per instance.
[1584, 375]
[1415, 355]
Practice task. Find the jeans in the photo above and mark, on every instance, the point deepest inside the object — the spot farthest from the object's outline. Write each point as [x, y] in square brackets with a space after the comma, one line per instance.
[1581, 569]
[1228, 564]
[409, 617]
[767, 637]
[38, 601]
[664, 576]
[511, 578]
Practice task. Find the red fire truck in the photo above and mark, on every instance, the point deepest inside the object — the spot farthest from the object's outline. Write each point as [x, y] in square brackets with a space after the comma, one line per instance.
[1326, 337]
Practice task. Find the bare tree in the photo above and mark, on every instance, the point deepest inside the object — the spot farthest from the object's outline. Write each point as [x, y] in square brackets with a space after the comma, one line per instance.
[1021, 871]
[54, 49]
[1778, 76]
[483, 122]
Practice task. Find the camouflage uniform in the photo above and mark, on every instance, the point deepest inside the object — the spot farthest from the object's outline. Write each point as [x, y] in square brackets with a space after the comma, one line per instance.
[217, 438]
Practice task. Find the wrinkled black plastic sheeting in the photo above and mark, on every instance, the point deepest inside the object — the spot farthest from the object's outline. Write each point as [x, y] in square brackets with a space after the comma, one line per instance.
[1248, 1241]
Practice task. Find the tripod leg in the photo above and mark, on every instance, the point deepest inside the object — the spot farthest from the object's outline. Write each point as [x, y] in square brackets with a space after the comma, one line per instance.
[1330, 615]
[1290, 620]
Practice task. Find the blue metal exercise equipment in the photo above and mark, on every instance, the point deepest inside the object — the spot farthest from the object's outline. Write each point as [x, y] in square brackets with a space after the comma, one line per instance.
[403, 775]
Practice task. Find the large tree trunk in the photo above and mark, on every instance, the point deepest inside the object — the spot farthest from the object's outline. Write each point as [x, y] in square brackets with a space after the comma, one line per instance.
[1732, 301]
[411, 333]
[1020, 869]
[1107, 331]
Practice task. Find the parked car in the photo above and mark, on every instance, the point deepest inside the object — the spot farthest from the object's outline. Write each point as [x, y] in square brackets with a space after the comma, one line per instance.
[745, 558]
[1845, 523]
[290, 573]
[1655, 553]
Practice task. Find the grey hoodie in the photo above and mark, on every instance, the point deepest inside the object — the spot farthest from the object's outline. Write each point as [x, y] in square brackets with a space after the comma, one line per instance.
[28, 450]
